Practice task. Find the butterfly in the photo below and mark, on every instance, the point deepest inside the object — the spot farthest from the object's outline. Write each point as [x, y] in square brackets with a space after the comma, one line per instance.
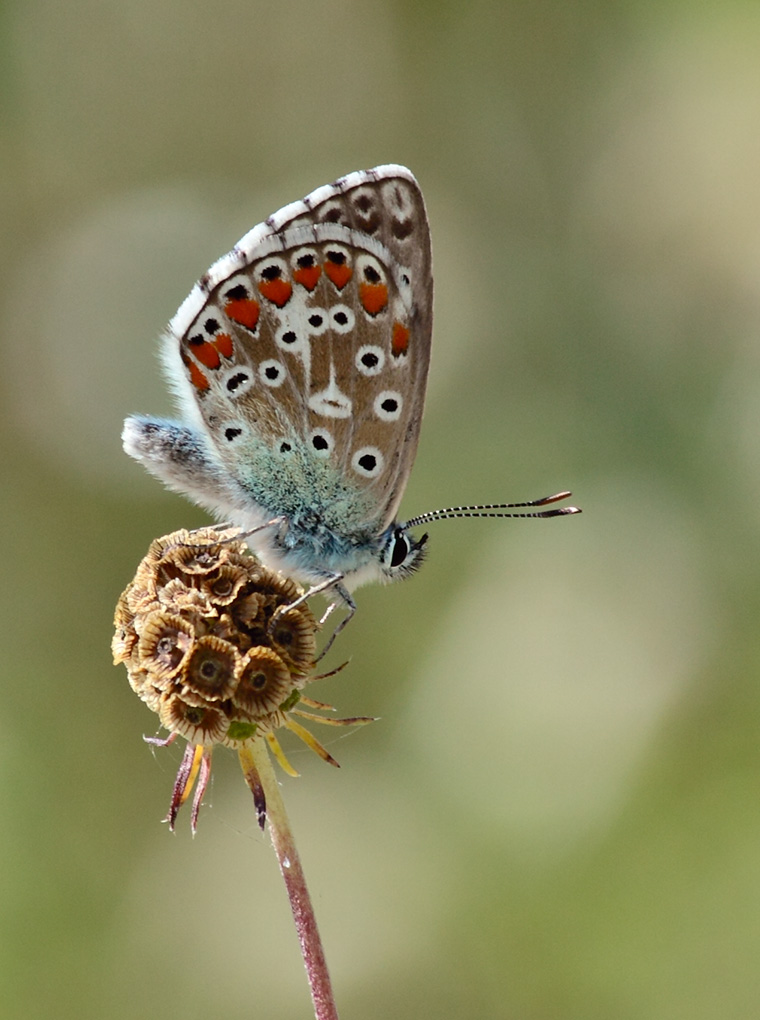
[299, 362]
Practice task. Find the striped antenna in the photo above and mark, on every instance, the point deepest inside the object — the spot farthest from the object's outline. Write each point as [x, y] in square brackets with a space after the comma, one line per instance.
[496, 510]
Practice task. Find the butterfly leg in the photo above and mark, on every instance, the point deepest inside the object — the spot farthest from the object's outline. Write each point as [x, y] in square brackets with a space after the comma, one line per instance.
[326, 613]
[350, 605]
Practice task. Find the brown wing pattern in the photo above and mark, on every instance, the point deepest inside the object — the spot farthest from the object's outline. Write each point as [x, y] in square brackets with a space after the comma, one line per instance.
[318, 343]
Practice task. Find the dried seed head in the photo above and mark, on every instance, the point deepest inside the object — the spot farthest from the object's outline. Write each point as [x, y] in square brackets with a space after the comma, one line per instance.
[204, 645]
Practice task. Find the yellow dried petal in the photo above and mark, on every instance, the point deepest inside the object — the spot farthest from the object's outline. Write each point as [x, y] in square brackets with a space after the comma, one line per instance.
[277, 589]
[123, 615]
[141, 598]
[163, 546]
[151, 696]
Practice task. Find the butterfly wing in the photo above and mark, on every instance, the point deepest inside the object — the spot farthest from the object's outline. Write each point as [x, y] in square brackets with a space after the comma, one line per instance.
[302, 355]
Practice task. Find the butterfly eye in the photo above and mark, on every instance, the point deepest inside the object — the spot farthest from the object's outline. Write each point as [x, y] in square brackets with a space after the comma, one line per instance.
[401, 547]
[402, 554]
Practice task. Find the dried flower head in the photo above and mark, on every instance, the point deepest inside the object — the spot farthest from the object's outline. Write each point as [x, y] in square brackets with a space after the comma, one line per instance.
[214, 644]
[203, 647]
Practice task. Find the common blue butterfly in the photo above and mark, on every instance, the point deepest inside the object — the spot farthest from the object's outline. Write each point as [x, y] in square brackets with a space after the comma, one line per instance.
[299, 363]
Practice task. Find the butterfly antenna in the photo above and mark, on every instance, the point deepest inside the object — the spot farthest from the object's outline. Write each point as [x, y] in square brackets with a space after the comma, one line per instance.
[497, 510]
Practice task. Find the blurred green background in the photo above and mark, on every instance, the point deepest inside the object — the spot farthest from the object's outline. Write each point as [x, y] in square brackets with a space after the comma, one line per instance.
[558, 815]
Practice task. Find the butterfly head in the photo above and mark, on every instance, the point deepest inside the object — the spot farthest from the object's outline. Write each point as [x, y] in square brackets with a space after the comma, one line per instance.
[401, 554]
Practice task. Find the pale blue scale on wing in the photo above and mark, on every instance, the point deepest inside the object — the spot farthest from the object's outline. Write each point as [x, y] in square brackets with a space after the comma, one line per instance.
[289, 484]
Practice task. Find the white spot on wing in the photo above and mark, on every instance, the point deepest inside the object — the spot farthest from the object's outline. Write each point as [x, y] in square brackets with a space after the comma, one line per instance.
[388, 405]
[272, 373]
[368, 462]
[331, 401]
[342, 319]
[237, 381]
[370, 359]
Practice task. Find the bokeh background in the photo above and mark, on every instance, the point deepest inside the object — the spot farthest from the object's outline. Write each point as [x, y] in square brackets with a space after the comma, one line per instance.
[558, 815]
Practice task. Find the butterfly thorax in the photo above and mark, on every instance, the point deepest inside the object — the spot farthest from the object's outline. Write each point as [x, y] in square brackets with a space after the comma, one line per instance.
[310, 549]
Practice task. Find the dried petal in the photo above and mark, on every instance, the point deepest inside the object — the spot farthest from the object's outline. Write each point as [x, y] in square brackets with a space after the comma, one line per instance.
[151, 695]
[280, 590]
[211, 644]
[199, 632]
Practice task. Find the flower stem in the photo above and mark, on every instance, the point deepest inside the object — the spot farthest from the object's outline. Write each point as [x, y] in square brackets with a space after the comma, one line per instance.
[259, 773]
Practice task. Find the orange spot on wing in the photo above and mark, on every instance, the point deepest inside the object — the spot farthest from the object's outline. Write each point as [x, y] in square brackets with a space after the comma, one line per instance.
[308, 276]
[246, 312]
[207, 354]
[223, 343]
[373, 296]
[340, 275]
[399, 340]
[197, 378]
[277, 291]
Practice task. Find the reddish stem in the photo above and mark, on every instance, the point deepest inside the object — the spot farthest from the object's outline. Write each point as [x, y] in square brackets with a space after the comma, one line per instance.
[259, 774]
